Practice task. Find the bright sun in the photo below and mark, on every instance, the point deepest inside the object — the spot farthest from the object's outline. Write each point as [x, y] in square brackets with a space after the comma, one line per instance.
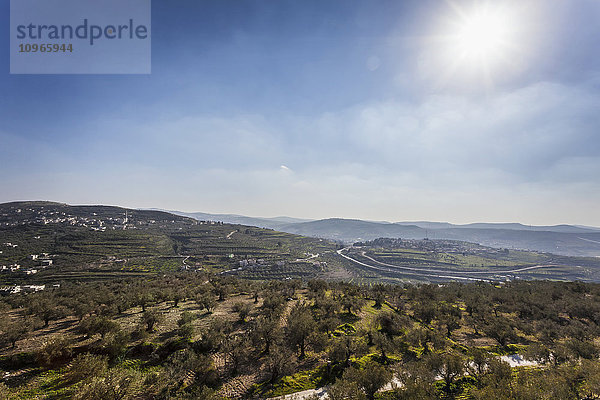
[483, 35]
[477, 44]
[482, 38]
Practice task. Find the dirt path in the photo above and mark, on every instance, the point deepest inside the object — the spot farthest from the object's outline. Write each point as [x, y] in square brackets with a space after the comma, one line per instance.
[310, 257]
[516, 360]
[321, 392]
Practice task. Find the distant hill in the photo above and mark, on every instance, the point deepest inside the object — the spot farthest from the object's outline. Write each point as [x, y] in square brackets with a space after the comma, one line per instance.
[591, 228]
[45, 211]
[103, 242]
[46, 241]
[352, 230]
[427, 224]
[261, 222]
[570, 240]
[562, 239]
[512, 226]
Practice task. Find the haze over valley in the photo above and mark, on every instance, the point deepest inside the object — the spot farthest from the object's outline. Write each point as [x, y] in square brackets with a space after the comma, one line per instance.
[559, 239]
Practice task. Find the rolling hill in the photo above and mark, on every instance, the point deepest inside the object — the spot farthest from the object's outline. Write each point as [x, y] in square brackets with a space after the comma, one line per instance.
[49, 242]
[565, 240]
[44, 241]
[570, 240]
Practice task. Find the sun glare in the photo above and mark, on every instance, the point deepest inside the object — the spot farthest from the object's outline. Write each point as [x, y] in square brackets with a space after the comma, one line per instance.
[483, 34]
[485, 40]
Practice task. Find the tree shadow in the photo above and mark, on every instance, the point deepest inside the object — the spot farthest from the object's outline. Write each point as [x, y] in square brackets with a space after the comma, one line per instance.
[349, 318]
[167, 335]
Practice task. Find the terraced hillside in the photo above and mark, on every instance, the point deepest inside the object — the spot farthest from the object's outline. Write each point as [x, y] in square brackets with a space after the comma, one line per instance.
[42, 241]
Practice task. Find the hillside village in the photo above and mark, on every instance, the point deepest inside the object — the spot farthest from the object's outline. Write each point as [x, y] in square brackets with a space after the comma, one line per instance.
[221, 311]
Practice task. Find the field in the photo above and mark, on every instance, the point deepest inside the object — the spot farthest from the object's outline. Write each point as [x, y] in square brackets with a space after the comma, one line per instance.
[261, 341]
[442, 260]
[102, 243]
[99, 245]
[167, 307]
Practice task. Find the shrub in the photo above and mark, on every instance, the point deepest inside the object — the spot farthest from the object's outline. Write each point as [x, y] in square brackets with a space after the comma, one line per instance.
[98, 325]
[117, 384]
[150, 318]
[86, 366]
[113, 345]
[5, 393]
[186, 318]
[55, 352]
[242, 309]
[186, 331]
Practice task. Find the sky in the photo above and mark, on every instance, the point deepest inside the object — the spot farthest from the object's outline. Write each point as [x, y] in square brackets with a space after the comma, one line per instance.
[442, 110]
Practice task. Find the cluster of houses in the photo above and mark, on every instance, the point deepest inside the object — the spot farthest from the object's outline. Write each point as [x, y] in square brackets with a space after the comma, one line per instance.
[24, 289]
[10, 268]
[43, 216]
[50, 215]
[5, 290]
[44, 260]
[251, 262]
[453, 246]
[46, 217]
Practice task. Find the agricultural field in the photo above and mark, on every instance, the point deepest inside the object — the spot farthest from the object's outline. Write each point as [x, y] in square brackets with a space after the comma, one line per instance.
[49, 243]
[442, 260]
[212, 337]
[101, 242]
[167, 307]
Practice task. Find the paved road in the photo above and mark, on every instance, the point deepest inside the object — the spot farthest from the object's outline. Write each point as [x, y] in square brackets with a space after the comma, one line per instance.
[436, 273]
[508, 271]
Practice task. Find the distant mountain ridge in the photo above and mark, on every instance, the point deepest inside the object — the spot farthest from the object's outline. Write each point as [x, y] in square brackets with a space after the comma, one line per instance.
[561, 239]
[565, 240]
[283, 221]
[503, 225]
[261, 222]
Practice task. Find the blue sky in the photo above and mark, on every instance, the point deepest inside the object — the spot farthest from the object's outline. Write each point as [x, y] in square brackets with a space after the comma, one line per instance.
[359, 109]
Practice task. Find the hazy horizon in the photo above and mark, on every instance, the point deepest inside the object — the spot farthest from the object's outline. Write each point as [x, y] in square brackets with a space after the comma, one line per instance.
[308, 217]
[457, 111]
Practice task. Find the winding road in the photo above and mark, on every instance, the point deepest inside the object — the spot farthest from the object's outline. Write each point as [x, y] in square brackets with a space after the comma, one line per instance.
[459, 275]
